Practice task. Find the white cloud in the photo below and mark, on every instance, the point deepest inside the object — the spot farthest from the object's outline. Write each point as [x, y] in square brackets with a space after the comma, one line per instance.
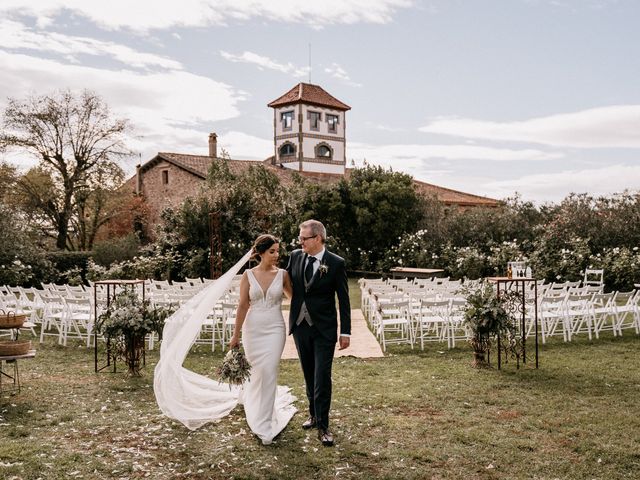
[265, 62]
[575, 6]
[336, 71]
[15, 35]
[555, 186]
[384, 128]
[412, 157]
[170, 110]
[614, 127]
[144, 15]
[242, 146]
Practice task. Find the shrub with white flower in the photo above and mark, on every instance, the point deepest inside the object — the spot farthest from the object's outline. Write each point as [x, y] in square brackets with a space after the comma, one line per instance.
[561, 260]
[15, 272]
[413, 250]
[153, 262]
[621, 267]
[501, 254]
[465, 262]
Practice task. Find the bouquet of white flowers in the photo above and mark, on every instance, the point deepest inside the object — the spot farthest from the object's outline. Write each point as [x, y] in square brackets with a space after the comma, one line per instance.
[235, 368]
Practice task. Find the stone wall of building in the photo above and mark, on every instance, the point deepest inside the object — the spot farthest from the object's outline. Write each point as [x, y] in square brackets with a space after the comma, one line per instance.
[179, 185]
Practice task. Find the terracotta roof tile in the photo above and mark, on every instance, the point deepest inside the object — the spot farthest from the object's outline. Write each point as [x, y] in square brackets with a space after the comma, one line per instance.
[308, 93]
[199, 166]
[454, 197]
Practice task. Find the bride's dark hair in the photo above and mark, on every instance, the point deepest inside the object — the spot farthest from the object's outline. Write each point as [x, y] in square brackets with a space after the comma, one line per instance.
[261, 245]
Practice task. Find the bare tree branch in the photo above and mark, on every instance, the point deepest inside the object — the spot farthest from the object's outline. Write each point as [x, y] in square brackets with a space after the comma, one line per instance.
[73, 137]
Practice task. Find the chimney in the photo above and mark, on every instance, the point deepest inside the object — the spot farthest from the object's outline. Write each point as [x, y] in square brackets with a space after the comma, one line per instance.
[138, 180]
[213, 145]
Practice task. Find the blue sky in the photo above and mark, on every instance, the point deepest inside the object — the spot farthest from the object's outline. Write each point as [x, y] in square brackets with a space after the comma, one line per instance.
[493, 97]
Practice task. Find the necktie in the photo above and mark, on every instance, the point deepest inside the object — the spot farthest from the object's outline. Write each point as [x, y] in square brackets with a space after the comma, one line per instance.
[308, 272]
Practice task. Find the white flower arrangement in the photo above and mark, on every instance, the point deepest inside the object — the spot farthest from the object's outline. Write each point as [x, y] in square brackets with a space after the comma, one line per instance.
[127, 321]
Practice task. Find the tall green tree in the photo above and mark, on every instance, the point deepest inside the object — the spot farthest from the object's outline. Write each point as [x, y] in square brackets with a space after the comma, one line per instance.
[97, 201]
[382, 206]
[8, 177]
[247, 203]
[365, 214]
[73, 137]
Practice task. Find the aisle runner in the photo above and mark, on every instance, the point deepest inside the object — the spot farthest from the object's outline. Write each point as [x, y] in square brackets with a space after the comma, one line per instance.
[363, 343]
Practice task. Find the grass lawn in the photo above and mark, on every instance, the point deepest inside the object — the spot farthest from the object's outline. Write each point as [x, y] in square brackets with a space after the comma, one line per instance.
[411, 414]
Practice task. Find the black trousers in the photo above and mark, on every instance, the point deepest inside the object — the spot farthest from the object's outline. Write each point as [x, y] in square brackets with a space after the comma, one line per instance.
[316, 357]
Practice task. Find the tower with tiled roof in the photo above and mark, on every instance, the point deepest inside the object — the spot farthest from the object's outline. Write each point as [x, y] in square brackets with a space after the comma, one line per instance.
[309, 130]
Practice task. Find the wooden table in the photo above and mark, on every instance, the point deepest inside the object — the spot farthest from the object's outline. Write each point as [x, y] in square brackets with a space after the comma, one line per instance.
[520, 283]
[15, 378]
[406, 272]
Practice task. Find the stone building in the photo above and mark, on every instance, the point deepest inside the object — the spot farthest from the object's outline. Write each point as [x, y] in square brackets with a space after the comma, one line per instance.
[309, 138]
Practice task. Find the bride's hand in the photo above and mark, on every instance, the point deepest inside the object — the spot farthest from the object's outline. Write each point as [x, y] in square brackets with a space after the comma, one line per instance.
[234, 342]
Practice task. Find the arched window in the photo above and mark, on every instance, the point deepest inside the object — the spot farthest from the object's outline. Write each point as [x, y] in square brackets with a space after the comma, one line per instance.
[323, 151]
[287, 150]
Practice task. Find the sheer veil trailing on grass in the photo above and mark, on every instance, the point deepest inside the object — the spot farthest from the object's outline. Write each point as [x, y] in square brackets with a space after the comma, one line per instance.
[183, 395]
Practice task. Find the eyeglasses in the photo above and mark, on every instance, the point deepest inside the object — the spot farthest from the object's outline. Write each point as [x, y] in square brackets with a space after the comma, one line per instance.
[302, 239]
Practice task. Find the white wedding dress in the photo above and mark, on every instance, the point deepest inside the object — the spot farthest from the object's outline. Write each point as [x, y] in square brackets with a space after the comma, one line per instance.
[194, 399]
[263, 335]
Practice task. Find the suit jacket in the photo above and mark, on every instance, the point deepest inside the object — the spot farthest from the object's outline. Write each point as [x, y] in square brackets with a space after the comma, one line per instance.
[319, 295]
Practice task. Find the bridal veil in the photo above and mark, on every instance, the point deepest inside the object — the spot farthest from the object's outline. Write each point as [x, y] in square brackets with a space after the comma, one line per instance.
[183, 395]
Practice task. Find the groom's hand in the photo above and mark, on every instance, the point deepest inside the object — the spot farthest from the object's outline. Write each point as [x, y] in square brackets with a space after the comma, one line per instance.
[344, 342]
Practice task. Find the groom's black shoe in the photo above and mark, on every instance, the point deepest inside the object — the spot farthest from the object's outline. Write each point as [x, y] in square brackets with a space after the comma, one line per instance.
[326, 437]
[309, 423]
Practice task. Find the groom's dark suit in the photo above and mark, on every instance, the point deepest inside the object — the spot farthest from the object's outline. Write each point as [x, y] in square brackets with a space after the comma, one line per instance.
[315, 335]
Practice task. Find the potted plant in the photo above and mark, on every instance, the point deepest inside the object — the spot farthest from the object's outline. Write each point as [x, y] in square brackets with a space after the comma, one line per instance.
[126, 323]
[487, 316]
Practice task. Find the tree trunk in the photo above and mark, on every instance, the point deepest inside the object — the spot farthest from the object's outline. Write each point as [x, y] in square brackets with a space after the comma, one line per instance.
[63, 231]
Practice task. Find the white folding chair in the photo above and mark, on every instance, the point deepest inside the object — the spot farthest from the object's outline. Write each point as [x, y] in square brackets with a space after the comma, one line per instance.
[603, 312]
[53, 315]
[78, 321]
[578, 315]
[593, 277]
[626, 311]
[228, 320]
[395, 325]
[382, 294]
[432, 322]
[457, 307]
[551, 316]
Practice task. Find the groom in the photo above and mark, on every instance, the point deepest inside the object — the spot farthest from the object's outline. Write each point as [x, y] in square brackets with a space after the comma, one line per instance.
[317, 276]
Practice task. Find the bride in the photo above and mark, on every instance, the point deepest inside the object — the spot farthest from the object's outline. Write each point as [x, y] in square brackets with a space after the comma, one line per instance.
[194, 399]
[259, 316]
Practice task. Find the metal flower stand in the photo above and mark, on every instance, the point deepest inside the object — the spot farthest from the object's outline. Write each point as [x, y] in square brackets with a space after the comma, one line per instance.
[520, 283]
[111, 291]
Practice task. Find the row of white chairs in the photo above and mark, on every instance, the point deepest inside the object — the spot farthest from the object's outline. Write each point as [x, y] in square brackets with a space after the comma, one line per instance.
[67, 312]
[571, 314]
[413, 312]
[401, 311]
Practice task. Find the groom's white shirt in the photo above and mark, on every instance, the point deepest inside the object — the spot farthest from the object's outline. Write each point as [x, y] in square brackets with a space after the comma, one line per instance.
[316, 265]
